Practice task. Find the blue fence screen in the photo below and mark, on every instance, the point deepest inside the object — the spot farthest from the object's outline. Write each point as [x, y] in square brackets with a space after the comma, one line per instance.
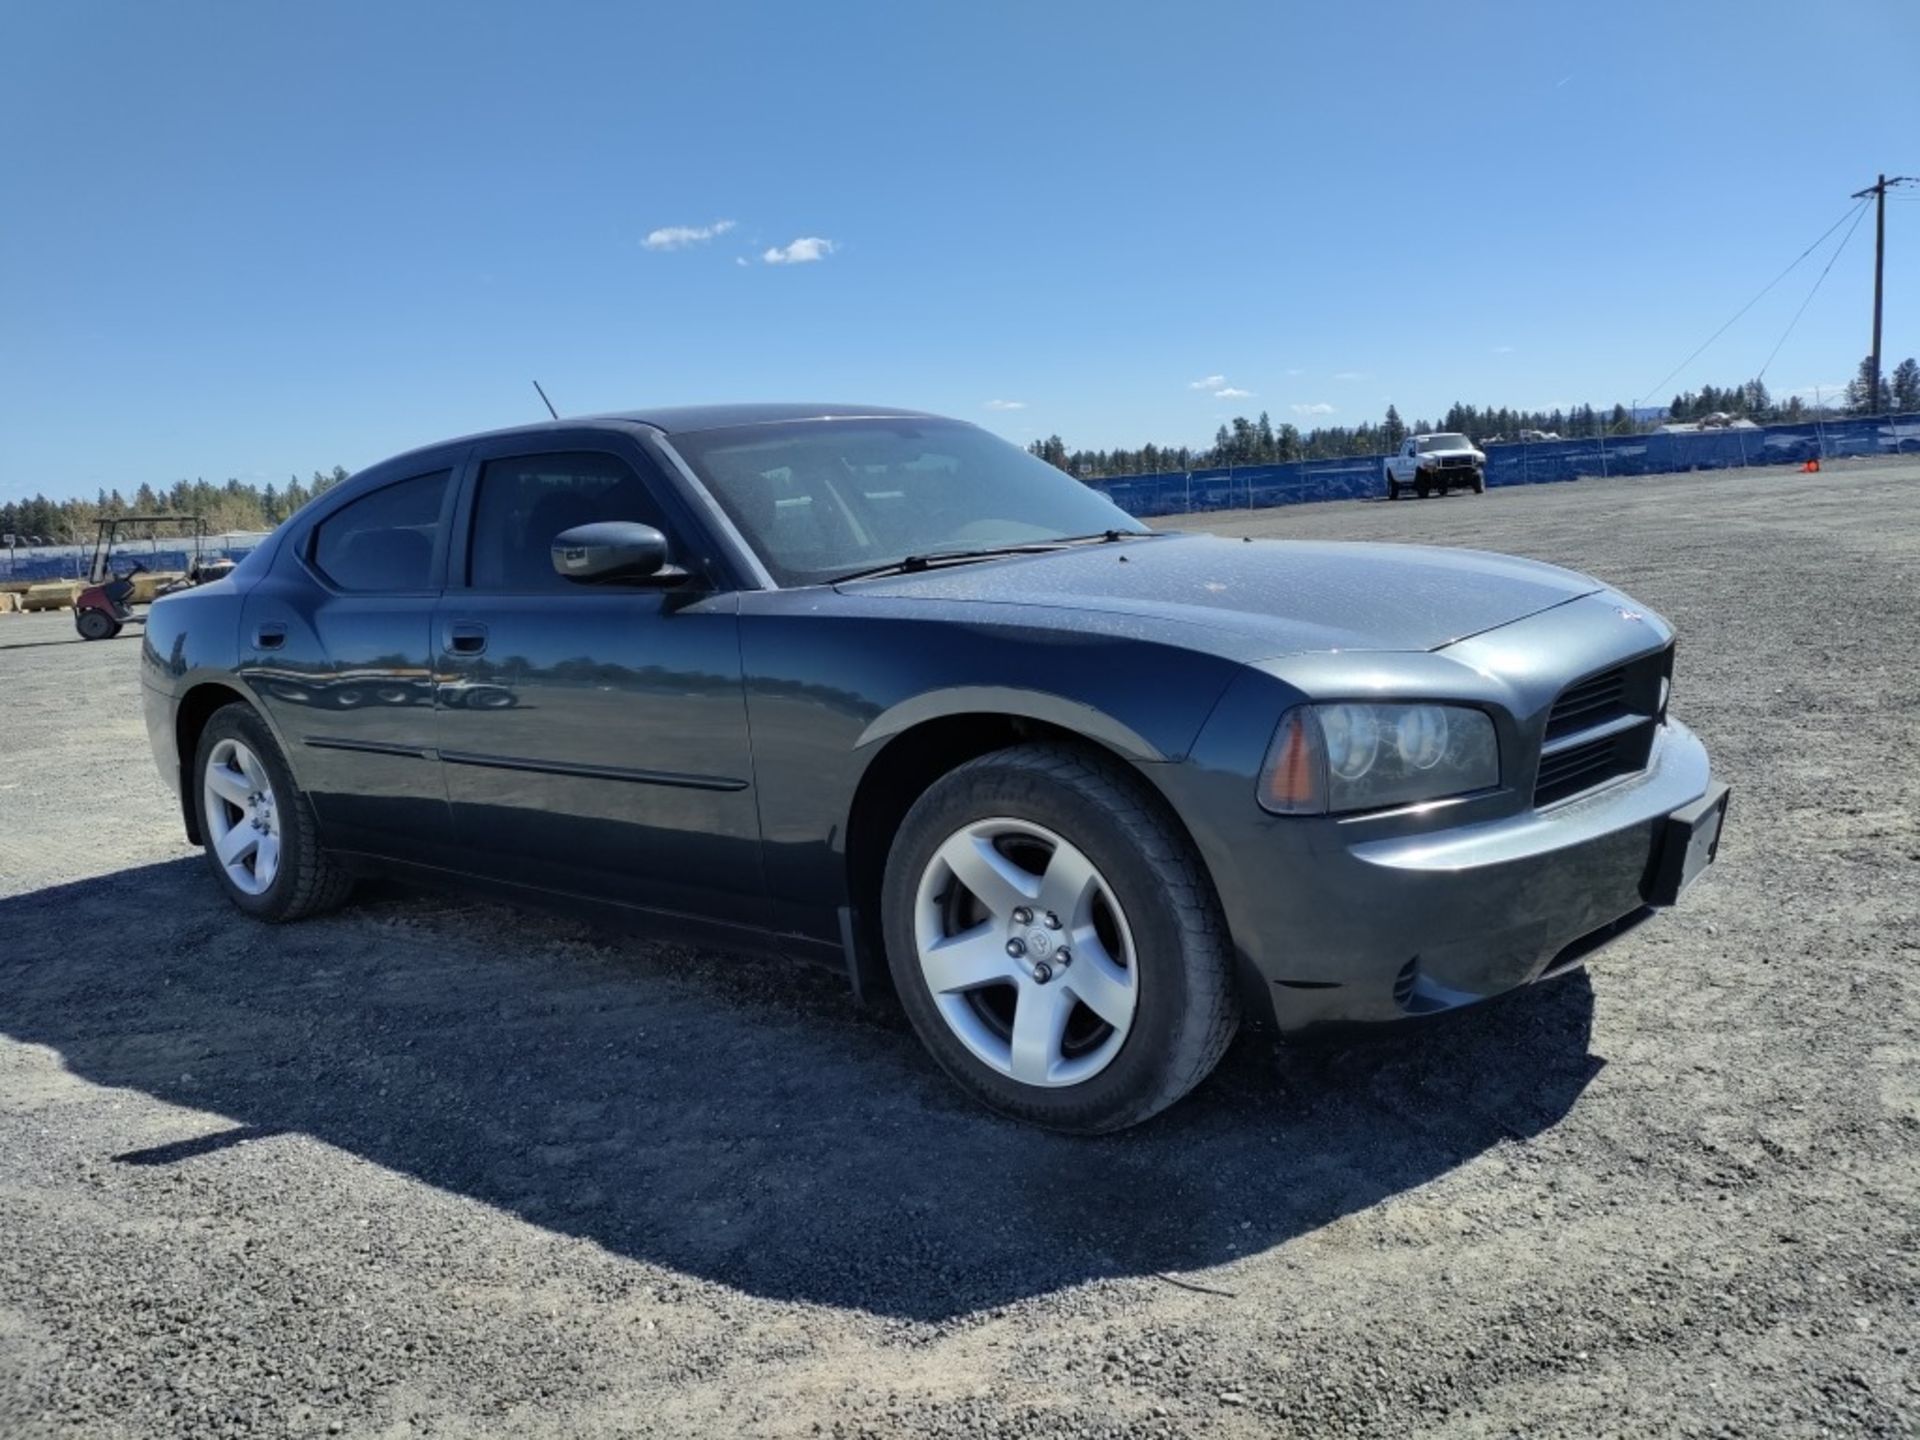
[1181, 492]
[70, 562]
[1244, 487]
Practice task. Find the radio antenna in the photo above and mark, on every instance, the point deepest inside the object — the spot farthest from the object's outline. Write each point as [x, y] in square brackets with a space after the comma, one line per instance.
[548, 403]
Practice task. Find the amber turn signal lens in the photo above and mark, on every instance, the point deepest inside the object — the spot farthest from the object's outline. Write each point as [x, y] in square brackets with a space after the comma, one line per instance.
[1293, 781]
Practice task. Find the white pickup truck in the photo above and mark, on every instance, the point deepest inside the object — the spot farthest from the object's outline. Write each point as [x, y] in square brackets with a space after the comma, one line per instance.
[1426, 463]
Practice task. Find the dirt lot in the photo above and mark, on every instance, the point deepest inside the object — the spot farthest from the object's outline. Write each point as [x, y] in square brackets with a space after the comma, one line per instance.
[428, 1167]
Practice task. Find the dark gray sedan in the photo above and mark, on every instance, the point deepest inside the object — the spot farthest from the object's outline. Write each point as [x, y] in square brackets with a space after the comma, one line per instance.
[876, 688]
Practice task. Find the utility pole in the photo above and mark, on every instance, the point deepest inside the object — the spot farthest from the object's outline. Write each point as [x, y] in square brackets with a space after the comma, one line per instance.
[1879, 192]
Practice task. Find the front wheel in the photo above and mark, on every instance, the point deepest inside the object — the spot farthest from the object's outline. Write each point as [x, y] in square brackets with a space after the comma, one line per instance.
[1479, 484]
[1420, 488]
[1393, 488]
[1055, 941]
[261, 839]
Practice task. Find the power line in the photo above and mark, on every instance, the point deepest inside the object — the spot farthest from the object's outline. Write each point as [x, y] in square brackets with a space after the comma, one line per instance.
[1659, 385]
[1831, 260]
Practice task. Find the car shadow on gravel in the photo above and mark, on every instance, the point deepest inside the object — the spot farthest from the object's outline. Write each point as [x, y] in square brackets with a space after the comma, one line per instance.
[733, 1120]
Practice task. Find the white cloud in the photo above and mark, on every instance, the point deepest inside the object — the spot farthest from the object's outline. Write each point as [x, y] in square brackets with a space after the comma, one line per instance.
[679, 237]
[1296, 371]
[1318, 408]
[1211, 382]
[1006, 404]
[1503, 349]
[1231, 392]
[1350, 375]
[803, 251]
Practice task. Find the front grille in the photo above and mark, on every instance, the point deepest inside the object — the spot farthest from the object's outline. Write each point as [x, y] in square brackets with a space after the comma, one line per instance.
[1602, 727]
[1456, 462]
[1592, 701]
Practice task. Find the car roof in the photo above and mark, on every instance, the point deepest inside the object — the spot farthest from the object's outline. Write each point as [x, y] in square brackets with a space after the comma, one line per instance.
[669, 419]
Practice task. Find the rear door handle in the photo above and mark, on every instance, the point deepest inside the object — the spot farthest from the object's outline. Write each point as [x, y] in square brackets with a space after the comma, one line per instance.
[270, 637]
[466, 638]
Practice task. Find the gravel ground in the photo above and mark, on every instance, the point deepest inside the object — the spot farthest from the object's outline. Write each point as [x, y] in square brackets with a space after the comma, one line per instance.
[430, 1167]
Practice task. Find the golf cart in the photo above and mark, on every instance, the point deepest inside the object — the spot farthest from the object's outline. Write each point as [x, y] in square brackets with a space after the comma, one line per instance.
[107, 603]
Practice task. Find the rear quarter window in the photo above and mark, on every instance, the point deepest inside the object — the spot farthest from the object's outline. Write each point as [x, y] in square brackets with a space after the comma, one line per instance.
[384, 540]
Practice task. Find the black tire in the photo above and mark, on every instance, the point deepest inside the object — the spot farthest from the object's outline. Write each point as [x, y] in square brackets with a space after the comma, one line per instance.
[95, 624]
[1393, 488]
[1479, 484]
[1421, 487]
[1188, 1007]
[309, 881]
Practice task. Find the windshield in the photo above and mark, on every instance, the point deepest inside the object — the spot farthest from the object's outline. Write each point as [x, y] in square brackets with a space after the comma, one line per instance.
[1442, 442]
[821, 499]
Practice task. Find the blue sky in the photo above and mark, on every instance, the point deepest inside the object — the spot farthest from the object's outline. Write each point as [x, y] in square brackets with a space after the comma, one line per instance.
[249, 239]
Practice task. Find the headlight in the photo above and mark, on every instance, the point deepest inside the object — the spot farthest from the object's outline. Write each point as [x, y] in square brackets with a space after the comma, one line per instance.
[1331, 759]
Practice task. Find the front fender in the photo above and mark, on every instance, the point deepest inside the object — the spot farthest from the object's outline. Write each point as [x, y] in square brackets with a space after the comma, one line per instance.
[1068, 714]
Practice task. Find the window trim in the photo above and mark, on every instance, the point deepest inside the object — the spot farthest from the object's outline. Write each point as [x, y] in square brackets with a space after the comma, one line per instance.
[309, 542]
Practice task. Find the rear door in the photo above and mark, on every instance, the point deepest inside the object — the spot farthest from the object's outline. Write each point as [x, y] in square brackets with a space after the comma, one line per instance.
[336, 644]
[593, 737]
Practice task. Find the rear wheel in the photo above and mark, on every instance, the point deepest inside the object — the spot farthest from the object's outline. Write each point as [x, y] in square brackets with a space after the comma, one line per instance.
[95, 624]
[1055, 942]
[258, 828]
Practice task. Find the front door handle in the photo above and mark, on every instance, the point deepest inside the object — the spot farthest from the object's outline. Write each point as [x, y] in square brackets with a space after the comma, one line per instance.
[466, 638]
[270, 636]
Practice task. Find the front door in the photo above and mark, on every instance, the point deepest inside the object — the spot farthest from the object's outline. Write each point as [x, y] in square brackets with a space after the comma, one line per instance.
[593, 737]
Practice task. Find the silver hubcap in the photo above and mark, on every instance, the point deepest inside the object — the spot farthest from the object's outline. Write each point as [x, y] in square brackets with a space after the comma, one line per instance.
[243, 820]
[1026, 952]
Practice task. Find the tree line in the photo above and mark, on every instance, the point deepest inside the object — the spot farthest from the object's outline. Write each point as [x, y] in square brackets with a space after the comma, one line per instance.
[240, 505]
[1258, 441]
[236, 505]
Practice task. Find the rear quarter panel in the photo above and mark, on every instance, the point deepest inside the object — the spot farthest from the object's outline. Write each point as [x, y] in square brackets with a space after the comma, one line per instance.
[191, 639]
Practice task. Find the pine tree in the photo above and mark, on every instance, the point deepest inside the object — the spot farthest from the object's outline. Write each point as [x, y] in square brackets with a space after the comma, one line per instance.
[1862, 399]
[1906, 386]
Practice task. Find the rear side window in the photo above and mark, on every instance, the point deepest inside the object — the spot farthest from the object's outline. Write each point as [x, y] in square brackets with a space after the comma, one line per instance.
[383, 540]
[524, 502]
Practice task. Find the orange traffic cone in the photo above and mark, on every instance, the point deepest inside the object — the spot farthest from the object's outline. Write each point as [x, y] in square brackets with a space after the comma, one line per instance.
[1812, 467]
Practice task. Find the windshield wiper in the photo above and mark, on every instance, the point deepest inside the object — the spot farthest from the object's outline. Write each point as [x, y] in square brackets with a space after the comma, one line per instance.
[913, 564]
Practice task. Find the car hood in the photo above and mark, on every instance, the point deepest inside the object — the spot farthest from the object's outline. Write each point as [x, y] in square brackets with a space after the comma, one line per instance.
[1291, 596]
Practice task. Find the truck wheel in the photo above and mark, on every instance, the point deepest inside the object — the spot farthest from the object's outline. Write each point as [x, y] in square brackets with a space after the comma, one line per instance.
[1420, 488]
[96, 625]
[1479, 484]
[1393, 488]
[1055, 940]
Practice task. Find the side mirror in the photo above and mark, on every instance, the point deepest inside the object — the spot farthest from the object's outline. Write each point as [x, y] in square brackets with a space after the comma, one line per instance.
[613, 551]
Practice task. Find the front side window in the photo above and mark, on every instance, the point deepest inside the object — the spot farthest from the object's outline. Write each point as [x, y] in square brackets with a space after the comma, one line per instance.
[818, 499]
[384, 540]
[526, 501]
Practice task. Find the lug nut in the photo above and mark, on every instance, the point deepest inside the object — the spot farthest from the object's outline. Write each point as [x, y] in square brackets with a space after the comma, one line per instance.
[1063, 958]
[1016, 948]
[1053, 921]
[1023, 916]
[1042, 972]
